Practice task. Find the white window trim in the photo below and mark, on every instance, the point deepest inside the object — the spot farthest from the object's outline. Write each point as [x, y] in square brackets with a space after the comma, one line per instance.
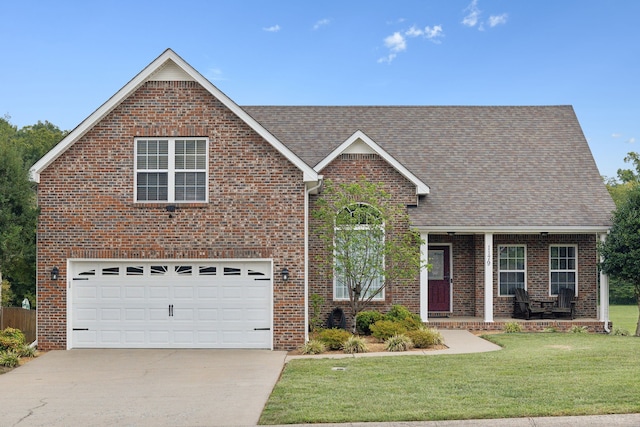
[171, 170]
[563, 271]
[507, 271]
[380, 296]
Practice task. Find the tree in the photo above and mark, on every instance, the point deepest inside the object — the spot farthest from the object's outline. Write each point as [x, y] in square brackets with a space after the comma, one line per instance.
[368, 244]
[19, 150]
[18, 217]
[621, 250]
[619, 188]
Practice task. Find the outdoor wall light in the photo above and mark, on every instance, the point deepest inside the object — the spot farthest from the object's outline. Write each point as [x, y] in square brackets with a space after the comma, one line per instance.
[451, 233]
[55, 273]
[544, 233]
[285, 274]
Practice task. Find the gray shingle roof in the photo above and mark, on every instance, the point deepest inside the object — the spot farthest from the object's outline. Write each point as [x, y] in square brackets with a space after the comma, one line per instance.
[485, 166]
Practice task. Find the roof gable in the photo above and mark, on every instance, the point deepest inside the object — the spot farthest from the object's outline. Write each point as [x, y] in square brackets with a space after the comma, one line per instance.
[168, 66]
[360, 142]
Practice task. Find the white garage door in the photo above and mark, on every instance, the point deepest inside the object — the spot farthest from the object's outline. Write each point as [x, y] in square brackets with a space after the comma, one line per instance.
[175, 304]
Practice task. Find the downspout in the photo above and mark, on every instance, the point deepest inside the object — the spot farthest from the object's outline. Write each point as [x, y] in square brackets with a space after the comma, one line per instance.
[306, 256]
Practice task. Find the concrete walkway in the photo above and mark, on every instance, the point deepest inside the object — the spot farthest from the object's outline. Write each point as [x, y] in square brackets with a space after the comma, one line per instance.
[457, 342]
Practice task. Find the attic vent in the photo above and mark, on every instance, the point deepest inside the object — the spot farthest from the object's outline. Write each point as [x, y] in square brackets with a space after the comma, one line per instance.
[358, 156]
[170, 72]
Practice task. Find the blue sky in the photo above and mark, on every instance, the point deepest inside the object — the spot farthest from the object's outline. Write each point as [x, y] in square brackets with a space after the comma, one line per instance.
[61, 60]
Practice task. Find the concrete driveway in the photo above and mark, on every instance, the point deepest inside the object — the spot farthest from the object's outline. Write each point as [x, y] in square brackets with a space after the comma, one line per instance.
[140, 388]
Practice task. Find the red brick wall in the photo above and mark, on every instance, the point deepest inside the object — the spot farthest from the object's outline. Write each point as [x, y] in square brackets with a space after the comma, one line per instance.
[468, 271]
[350, 168]
[255, 209]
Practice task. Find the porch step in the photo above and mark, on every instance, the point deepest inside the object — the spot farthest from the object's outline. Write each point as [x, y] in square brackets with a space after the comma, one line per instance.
[438, 315]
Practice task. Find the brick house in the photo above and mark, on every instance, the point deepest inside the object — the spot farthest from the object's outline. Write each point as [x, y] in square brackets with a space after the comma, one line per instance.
[173, 217]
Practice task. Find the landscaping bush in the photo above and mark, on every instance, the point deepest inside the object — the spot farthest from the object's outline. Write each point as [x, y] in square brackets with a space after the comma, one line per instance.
[512, 327]
[11, 339]
[621, 332]
[9, 359]
[400, 313]
[578, 329]
[398, 343]
[334, 338]
[354, 345]
[384, 329]
[313, 347]
[425, 337]
[365, 319]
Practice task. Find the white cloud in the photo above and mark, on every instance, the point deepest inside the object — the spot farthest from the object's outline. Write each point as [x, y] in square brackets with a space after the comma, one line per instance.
[321, 23]
[471, 19]
[631, 140]
[272, 29]
[497, 20]
[616, 135]
[396, 42]
[429, 33]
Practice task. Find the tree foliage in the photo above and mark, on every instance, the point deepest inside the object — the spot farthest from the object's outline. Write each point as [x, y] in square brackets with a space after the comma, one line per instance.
[368, 244]
[19, 149]
[621, 251]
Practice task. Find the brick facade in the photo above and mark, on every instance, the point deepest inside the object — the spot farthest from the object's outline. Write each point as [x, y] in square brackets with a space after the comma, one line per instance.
[255, 208]
[349, 168]
[468, 271]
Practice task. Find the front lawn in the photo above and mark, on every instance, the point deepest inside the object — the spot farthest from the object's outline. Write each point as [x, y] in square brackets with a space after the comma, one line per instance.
[624, 316]
[542, 374]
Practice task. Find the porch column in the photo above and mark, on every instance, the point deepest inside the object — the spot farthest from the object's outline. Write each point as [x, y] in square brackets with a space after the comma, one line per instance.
[488, 277]
[424, 278]
[603, 313]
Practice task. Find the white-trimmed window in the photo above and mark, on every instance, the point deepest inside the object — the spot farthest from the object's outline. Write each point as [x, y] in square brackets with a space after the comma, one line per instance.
[563, 268]
[171, 169]
[359, 232]
[512, 268]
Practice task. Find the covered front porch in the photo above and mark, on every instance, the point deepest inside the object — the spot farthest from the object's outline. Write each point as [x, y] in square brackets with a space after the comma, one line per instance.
[478, 324]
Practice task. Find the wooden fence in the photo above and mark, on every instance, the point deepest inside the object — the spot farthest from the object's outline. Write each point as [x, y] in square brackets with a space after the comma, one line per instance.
[19, 318]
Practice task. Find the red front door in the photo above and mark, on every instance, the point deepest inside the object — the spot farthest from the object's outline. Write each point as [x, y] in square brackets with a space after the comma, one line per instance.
[439, 279]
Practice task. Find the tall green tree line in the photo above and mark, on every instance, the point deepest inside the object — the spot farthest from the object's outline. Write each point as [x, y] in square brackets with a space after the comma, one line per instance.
[19, 150]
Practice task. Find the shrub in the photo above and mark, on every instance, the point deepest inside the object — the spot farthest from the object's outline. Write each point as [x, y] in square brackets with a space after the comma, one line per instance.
[26, 351]
[315, 323]
[400, 313]
[578, 329]
[425, 337]
[621, 332]
[313, 347]
[334, 338]
[384, 329]
[365, 319]
[398, 343]
[354, 345]
[9, 359]
[11, 339]
[512, 327]
[550, 329]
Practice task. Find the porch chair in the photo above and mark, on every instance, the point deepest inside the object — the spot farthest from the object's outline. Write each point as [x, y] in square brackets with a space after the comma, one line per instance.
[565, 305]
[523, 306]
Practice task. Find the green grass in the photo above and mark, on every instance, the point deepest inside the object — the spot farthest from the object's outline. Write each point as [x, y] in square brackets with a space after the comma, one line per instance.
[624, 316]
[548, 374]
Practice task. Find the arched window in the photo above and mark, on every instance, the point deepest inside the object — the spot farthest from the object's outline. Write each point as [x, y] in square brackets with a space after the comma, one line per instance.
[359, 253]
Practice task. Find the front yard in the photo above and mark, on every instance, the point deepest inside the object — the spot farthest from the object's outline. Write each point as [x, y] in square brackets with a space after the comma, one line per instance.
[543, 374]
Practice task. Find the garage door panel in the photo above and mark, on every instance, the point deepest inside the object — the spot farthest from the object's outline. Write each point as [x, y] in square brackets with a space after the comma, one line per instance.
[162, 305]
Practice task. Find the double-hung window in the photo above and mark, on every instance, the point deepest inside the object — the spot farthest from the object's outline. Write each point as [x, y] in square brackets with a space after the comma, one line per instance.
[563, 268]
[512, 268]
[359, 253]
[171, 169]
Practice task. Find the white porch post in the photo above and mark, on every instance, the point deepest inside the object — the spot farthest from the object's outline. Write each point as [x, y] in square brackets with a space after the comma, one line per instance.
[424, 278]
[488, 277]
[603, 314]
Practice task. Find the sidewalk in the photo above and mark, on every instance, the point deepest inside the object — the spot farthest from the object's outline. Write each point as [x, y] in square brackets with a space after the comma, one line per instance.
[621, 420]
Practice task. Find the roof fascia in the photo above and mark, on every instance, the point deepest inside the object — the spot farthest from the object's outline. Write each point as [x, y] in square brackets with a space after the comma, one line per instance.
[514, 229]
[421, 187]
[309, 174]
